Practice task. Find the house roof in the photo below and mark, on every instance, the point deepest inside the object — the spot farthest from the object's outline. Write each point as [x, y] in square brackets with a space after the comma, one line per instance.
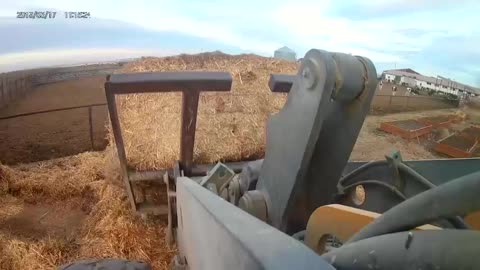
[434, 80]
[409, 70]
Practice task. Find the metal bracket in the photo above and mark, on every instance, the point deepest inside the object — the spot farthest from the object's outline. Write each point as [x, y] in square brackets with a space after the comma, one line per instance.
[393, 160]
[218, 176]
[310, 140]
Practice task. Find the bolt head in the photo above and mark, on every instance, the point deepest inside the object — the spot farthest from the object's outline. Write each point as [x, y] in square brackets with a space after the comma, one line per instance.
[253, 202]
[308, 74]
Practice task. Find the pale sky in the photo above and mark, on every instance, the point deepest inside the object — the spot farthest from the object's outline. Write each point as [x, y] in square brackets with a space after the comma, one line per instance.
[434, 37]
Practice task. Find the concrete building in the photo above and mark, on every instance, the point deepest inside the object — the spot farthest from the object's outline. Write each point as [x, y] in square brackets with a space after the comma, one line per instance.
[412, 79]
[285, 53]
[408, 81]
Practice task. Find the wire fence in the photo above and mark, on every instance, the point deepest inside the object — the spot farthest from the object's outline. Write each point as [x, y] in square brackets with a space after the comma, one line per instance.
[46, 134]
[392, 104]
[14, 85]
[54, 133]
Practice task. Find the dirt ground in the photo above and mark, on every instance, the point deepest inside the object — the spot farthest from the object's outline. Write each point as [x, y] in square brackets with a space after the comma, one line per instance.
[70, 93]
[38, 221]
[54, 134]
[373, 144]
[62, 210]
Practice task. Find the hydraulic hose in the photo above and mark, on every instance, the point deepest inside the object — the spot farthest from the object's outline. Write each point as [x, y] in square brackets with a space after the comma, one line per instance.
[418, 177]
[455, 198]
[457, 222]
[360, 169]
[431, 249]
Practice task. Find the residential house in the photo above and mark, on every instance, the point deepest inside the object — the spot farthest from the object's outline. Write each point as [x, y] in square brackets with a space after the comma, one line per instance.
[412, 78]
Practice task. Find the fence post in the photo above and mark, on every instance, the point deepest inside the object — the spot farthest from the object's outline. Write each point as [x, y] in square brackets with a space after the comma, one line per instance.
[6, 94]
[22, 84]
[2, 86]
[91, 127]
[7, 88]
[11, 89]
[15, 93]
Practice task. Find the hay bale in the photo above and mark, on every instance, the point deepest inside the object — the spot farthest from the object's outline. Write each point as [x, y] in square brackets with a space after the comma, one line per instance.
[230, 126]
[109, 228]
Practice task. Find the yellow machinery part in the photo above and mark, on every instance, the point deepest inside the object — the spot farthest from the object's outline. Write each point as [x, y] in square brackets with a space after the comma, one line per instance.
[339, 221]
[474, 220]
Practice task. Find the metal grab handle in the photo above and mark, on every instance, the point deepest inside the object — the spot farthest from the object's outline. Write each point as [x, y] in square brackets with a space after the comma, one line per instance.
[190, 83]
[145, 82]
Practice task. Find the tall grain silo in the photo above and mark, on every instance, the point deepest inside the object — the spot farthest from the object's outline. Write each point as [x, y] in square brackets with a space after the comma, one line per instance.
[285, 53]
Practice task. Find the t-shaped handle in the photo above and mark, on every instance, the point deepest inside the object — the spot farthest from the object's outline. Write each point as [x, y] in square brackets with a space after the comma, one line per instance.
[189, 83]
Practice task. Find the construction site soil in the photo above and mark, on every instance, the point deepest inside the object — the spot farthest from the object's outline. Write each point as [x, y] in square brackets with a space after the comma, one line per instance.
[56, 211]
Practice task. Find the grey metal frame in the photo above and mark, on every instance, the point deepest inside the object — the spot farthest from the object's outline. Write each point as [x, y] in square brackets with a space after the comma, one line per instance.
[310, 140]
[217, 235]
[306, 166]
[190, 84]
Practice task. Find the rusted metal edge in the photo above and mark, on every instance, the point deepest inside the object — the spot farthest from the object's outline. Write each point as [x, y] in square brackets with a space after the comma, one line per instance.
[390, 127]
[472, 132]
[453, 151]
[437, 121]
[474, 146]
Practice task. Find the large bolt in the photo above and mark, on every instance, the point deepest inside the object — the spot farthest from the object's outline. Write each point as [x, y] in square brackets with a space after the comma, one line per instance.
[253, 202]
[308, 74]
[359, 195]
[234, 192]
